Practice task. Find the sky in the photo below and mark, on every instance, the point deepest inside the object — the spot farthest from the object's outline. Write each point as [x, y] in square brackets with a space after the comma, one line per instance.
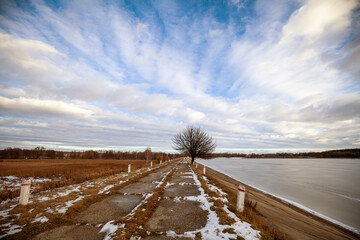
[258, 76]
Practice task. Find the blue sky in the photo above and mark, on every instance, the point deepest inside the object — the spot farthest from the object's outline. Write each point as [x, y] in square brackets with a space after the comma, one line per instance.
[259, 76]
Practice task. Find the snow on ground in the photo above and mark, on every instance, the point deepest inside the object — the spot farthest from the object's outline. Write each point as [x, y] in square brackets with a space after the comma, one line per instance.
[213, 229]
[56, 206]
[12, 230]
[40, 219]
[68, 190]
[13, 182]
[238, 226]
[214, 188]
[106, 188]
[147, 195]
[68, 204]
[169, 184]
[109, 228]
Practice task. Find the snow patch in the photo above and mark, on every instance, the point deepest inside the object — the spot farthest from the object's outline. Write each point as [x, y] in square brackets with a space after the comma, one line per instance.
[41, 219]
[5, 213]
[42, 199]
[11, 230]
[106, 188]
[169, 184]
[77, 189]
[213, 229]
[109, 228]
[68, 204]
[186, 176]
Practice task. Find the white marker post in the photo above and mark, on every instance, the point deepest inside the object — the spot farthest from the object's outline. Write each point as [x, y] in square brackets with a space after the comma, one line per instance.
[129, 168]
[25, 193]
[240, 198]
[151, 164]
[160, 162]
[204, 170]
[196, 165]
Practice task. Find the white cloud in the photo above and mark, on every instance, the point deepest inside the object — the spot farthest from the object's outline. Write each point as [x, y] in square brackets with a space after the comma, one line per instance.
[42, 107]
[27, 60]
[238, 3]
[319, 21]
[194, 116]
[293, 66]
[140, 80]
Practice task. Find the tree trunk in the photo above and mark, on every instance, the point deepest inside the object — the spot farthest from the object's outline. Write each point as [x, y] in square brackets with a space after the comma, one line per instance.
[192, 160]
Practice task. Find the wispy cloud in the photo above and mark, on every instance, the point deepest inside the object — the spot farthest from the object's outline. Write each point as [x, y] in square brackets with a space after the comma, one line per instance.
[255, 76]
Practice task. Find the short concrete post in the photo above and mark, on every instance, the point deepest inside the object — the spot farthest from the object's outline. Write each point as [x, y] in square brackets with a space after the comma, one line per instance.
[196, 165]
[151, 164]
[129, 168]
[160, 162]
[240, 198]
[25, 193]
[204, 170]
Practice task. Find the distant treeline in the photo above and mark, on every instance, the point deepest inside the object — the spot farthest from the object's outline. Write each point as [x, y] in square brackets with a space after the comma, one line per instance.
[344, 153]
[42, 153]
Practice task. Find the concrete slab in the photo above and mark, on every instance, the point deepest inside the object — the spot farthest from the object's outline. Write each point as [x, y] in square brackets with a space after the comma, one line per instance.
[110, 209]
[155, 176]
[183, 167]
[179, 179]
[177, 216]
[138, 188]
[178, 190]
[182, 174]
[167, 238]
[80, 232]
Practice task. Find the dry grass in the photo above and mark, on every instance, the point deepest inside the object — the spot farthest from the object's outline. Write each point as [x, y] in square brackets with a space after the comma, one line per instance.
[57, 167]
[135, 226]
[64, 172]
[57, 219]
[218, 207]
[250, 214]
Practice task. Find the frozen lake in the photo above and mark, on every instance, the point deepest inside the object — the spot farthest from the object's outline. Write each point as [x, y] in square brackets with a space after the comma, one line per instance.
[328, 186]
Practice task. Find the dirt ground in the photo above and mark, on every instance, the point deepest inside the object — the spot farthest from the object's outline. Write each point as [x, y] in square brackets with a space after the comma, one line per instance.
[292, 221]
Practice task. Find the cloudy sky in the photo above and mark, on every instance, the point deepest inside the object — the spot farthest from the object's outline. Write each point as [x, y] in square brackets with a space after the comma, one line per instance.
[259, 76]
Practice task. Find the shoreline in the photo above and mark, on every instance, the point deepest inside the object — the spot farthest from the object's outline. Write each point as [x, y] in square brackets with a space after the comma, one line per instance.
[273, 207]
[297, 205]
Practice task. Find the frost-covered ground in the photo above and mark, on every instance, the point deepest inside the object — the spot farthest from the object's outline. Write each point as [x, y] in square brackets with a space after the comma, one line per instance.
[110, 229]
[213, 229]
[13, 182]
[57, 201]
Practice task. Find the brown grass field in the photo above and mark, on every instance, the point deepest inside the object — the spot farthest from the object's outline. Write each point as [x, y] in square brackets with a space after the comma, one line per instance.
[63, 171]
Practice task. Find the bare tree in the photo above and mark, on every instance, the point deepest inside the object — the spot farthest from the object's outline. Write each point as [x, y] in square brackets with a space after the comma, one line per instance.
[194, 142]
[148, 154]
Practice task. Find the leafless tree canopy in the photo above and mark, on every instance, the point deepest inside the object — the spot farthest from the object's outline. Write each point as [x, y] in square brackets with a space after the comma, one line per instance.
[148, 153]
[194, 142]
